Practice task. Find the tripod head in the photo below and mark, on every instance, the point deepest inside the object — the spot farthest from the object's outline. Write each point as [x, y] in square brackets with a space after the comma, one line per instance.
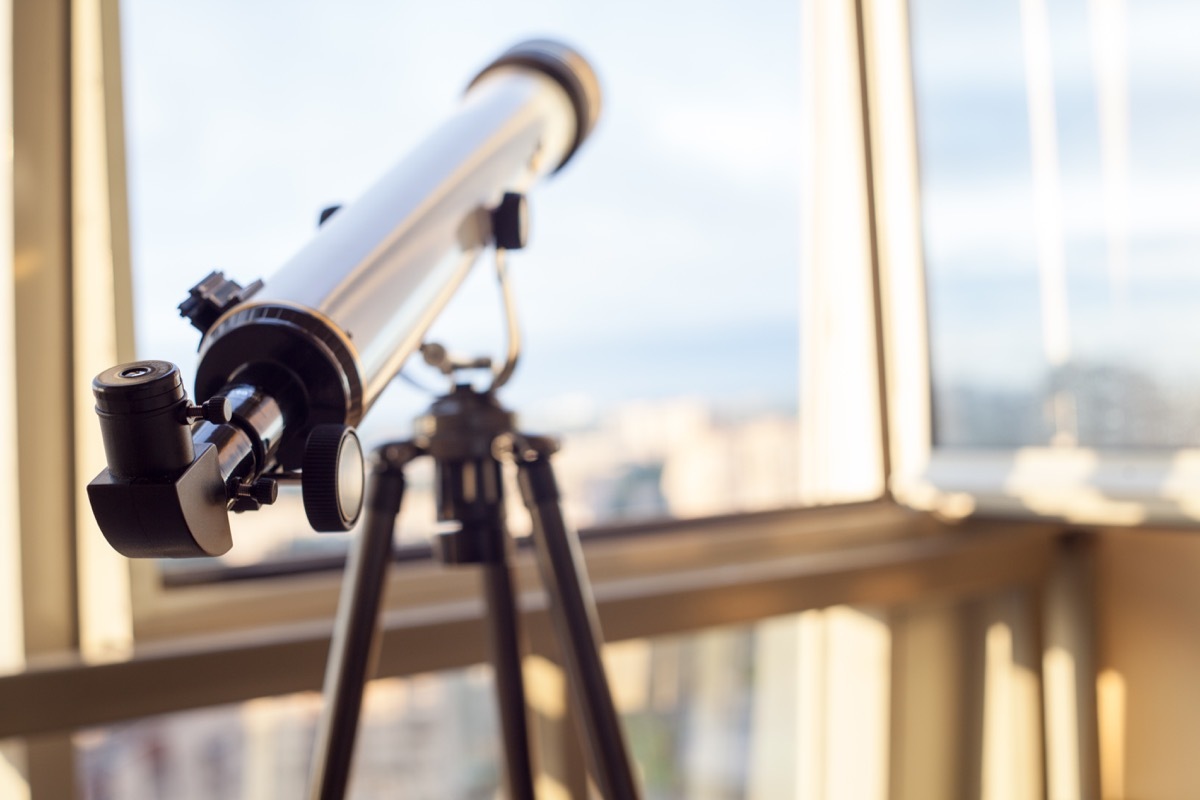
[289, 365]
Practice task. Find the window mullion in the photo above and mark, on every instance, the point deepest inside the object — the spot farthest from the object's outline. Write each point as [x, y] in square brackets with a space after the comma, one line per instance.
[43, 381]
[99, 291]
[841, 453]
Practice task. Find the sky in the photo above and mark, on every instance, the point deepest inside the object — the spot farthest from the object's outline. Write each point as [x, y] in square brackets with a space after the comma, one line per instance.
[1126, 116]
[663, 261]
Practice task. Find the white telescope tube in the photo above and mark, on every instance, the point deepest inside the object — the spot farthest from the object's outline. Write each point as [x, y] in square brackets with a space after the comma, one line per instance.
[346, 311]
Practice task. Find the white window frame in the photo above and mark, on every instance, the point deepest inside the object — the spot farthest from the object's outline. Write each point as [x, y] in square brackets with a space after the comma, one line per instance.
[1074, 484]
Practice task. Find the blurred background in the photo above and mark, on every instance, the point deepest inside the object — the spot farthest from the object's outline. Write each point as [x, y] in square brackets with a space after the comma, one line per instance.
[867, 328]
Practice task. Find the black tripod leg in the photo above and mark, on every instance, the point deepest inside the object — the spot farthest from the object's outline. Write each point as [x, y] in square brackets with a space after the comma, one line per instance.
[573, 612]
[505, 648]
[471, 492]
[355, 636]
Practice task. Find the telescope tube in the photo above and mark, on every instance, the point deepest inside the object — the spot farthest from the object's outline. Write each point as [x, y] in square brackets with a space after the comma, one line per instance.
[317, 344]
[355, 302]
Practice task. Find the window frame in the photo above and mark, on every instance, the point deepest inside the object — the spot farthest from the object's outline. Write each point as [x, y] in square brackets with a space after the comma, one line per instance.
[1075, 484]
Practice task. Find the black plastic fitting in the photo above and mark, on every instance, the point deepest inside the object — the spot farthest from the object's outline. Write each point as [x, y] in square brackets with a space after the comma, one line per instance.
[143, 419]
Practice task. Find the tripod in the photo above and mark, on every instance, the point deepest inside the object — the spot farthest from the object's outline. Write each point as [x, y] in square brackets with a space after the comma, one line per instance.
[467, 433]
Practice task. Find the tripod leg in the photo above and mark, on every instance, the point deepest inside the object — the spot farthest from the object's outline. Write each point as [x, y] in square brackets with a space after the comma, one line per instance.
[355, 638]
[573, 612]
[471, 492]
[505, 648]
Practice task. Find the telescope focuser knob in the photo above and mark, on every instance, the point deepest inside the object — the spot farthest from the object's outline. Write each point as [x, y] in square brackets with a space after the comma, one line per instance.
[331, 478]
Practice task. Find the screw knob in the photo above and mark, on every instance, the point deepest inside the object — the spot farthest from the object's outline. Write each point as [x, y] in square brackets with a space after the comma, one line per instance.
[510, 222]
[327, 212]
[217, 410]
[253, 496]
[331, 479]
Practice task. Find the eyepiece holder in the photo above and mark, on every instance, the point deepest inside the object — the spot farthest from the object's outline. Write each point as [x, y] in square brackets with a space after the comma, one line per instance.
[161, 495]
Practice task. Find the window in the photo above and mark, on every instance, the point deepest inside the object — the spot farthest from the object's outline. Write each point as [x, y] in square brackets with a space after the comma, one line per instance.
[1055, 231]
[1058, 197]
[718, 712]
[659, 293]
[429, 733]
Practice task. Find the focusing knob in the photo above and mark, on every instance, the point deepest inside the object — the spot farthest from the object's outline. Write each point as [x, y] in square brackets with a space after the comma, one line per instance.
[331, 479]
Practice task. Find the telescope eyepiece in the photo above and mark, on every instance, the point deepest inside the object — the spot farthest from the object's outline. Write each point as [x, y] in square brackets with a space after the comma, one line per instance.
[143, 420]
[142, 386]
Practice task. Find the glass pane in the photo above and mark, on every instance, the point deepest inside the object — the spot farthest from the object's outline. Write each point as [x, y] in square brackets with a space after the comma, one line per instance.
[724, 713]
[430, 736]
[1059, 199]
[658, 296]
[758, 711]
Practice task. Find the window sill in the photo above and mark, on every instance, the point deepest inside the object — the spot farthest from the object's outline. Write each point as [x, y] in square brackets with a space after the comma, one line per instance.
[1074, 485]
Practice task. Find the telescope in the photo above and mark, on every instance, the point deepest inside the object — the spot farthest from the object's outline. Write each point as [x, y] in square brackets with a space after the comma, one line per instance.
[288, 366]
